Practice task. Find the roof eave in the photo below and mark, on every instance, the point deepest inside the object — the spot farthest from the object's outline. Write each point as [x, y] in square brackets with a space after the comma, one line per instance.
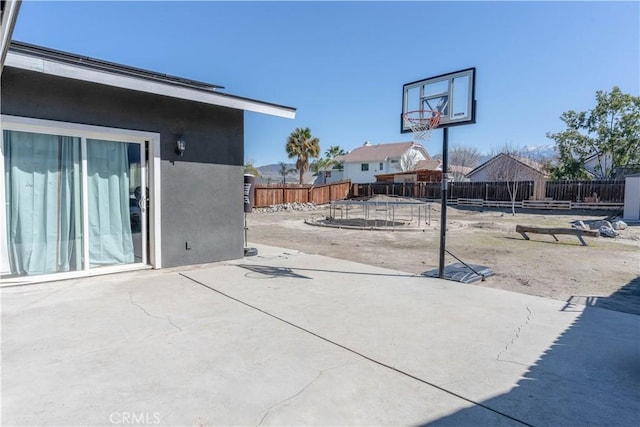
[9, 18]
[73, 71]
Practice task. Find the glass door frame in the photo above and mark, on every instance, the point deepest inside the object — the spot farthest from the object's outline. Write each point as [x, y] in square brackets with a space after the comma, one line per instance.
[150, 179]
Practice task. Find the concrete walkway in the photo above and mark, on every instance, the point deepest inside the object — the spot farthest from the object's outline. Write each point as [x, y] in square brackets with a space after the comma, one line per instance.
[287, 338]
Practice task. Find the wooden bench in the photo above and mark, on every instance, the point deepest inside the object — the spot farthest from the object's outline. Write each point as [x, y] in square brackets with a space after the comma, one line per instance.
[470, 202]
[524, 229]
[597, 205]
[501, 204]
[546, 204]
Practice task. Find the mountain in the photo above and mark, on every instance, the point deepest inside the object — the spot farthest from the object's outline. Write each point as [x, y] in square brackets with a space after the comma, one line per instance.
[540, 152]
[271, 174]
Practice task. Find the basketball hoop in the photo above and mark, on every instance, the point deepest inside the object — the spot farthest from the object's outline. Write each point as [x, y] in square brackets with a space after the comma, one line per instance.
[421, 123]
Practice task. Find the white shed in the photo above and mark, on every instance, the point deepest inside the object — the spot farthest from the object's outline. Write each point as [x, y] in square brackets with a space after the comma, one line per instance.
[632, 197]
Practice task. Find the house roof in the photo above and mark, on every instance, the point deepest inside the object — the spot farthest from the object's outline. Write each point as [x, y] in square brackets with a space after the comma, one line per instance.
[63, 64]
[459, 169]
[378, 152]
[531, 164]
[430, 164]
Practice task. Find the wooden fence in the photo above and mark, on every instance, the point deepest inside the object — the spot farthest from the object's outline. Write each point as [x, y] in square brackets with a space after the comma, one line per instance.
[535, 204]
[574, 191]
[580, 191]
[433, 190]
[276, 194]
[577, 192]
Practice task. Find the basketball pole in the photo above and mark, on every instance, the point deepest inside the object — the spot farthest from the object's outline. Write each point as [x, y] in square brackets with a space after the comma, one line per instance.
[443, 202]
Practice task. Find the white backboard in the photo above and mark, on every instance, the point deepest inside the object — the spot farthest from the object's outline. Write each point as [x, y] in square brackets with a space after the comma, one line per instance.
[452, 94]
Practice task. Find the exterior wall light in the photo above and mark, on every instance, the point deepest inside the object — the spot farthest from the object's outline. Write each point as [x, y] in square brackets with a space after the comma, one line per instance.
[181, 145]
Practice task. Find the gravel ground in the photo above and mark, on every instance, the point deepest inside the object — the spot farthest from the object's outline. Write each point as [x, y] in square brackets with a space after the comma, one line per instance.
[606, 273]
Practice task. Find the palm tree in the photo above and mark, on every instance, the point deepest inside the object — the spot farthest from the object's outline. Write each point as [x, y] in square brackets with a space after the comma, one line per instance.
[284, 171]
[300, 143]
[331, 154]
[322, 165]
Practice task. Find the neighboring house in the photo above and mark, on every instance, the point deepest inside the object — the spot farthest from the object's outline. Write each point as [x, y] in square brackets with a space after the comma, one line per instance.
[493, 169]
[335, 174]
[599, 165]
[420, 175]
[425, 171]
[109, 168]
[507, 167]
[364, 163]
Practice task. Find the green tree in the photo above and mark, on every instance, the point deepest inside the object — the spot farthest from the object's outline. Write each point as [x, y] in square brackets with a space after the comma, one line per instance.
[509, 166]
[284, 171]
[610, 132]
[303, 145]
[250, 168]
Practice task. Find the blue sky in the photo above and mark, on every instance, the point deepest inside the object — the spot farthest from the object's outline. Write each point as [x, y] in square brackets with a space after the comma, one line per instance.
[343, 64]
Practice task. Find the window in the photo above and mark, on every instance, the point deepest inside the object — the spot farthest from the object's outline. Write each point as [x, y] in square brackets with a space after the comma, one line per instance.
[381, 166]
[327, 174]
[364, 167]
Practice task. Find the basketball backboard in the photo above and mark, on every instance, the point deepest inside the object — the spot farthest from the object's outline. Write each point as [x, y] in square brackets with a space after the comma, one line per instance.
[452, 94]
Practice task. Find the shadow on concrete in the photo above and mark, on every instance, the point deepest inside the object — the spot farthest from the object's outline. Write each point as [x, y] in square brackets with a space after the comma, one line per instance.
[289, 272]
[626, 299]
[268, 272]
[590, 375]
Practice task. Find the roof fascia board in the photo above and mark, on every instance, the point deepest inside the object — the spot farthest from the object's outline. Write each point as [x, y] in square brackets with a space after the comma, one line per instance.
[58, 69]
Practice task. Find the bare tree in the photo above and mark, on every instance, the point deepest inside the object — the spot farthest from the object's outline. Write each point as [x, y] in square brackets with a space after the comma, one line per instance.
[409, 161]
[463, 156]
[510, 167]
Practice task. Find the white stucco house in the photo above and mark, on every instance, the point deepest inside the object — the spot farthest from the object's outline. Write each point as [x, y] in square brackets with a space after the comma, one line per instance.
[599, 165]
[362, 164]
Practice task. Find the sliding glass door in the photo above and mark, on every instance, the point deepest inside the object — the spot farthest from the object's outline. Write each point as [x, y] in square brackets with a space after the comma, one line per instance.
[43, 200]
[72, 203]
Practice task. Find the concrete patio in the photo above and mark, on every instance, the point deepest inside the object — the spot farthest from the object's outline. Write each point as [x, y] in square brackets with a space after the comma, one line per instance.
[287, 338]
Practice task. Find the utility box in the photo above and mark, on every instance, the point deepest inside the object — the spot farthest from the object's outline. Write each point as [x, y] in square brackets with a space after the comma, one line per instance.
[632, 197]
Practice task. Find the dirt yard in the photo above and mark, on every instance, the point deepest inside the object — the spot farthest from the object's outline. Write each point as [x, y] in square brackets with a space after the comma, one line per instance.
[606, 273]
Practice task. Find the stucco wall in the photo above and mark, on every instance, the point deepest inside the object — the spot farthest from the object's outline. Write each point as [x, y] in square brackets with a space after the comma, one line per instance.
[489, 173]
[353, 171]
[202, 192]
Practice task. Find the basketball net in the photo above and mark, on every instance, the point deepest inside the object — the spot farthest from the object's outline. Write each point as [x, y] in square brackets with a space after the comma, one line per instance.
[421, 123]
